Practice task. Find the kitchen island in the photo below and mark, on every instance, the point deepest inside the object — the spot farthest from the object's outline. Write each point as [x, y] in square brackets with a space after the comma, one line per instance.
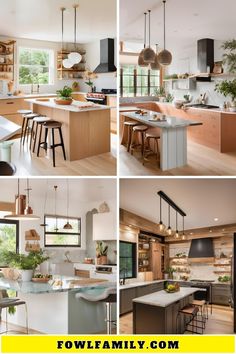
[156, 313]
[55, 309]
[173, 136]
[86, 130]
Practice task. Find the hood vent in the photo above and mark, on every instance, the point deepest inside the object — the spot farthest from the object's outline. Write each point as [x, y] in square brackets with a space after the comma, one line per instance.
[201, 250]
[107, 56]
[205, 55]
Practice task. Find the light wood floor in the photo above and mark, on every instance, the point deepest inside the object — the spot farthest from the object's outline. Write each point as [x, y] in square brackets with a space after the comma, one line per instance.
[220, 322]
[202, 161]
[28, 164]
[13, 329]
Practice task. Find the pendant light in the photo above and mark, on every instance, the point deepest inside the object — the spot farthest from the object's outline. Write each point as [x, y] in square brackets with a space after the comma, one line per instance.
[169, 230]
[156, 65]
[67, 226]
[75, 57]
[148, 53]
[183, 233]
[55, 207]
[45, 204]
[161, 225]
[176, 232]
[66, 62]
[23, 211]
[141, 62]
[165, 57]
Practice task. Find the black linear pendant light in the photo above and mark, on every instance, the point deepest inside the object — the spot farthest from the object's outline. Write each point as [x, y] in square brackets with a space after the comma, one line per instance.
[156, 65]
[148, 53]
[165, 57]
[141, 62]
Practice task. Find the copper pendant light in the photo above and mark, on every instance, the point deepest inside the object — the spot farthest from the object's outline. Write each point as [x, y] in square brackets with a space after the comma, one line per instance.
[141, 62]
[156, 65]
[148, 53]
[165, 57]
[67, 226]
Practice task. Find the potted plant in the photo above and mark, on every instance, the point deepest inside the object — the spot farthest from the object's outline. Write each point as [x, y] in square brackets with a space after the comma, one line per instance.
[64, 96]
[169, 273]
[161, 93]
[25, 263]
[229, 57]
[89, 76]
[101, 253]
[228, 88]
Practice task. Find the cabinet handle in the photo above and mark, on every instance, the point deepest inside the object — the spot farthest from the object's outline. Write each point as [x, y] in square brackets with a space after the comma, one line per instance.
[10, 102]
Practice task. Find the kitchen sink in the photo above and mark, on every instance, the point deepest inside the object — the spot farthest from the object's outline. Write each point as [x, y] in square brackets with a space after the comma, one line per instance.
[205, 106]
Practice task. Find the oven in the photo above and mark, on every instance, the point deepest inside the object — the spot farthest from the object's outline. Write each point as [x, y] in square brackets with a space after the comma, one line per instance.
[100, 97]
[205, 294]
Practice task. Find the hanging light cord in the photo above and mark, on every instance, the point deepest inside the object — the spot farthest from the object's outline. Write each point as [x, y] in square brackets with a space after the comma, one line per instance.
[169, 215]
[149, 28]
[46, 197]
[145, 30]
[160, 210]
[183, 224]
[67, 200]
[164, 2]
[62, 27]
[75, 24]
[176, 221]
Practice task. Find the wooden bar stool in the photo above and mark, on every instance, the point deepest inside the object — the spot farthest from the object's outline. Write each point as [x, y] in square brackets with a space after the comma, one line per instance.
[139, 130]
[190, 313]
[27, 118]
[52, 125]
[34, 134]
[129, 125]
[23, 112]
[148, 138]
[203, 309]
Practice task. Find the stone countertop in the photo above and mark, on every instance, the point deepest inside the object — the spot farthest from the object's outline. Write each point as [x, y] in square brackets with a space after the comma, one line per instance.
[169, 123]
[51, 287]
[24, 96]
[75, 107]
[163, 299]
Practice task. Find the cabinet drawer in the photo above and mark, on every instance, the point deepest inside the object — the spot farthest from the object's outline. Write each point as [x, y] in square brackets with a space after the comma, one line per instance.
[220, 299]
[12, 106]
[82, 273]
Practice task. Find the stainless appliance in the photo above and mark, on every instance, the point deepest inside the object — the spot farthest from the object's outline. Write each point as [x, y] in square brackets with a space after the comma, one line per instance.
[100, 97]
[108, 272]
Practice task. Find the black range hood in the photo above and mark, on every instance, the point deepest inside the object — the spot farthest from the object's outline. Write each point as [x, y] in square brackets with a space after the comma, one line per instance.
[205, 55]
[201, 248]
[107, 56]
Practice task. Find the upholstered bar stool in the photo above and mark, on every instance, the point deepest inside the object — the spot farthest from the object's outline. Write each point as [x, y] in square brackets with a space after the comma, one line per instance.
[23, 112]
[138, 130]
[38, 121]
[5, 303]
[129, 126]
[51, 125]
[149, 137]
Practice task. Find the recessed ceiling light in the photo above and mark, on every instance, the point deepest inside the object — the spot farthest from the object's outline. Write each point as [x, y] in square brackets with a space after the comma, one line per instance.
[191, 233]
[223, 229]
[216, 219]
[210, 230]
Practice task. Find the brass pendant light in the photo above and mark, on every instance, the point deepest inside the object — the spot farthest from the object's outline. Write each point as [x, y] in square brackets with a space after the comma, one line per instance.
[141, 62]
[165, 57]
[148, 53]
[23, 210]
[156, 65]
[67, 226]
[169, 230]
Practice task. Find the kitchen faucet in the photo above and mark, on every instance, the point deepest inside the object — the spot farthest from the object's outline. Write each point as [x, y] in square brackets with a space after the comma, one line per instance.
[122, 280]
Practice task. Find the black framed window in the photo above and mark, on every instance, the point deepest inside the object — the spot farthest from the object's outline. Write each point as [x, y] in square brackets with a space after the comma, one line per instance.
[9, 237]
[56, 236]
[128, 256]
[138, 81]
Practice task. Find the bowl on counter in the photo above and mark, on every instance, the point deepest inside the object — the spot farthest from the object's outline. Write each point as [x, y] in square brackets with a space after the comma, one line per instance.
[178, 103]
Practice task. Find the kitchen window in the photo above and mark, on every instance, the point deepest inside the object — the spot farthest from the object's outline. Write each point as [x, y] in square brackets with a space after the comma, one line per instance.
[56, 236]
[137, 81]
[36, 66]
[127, 260]
[9, 237]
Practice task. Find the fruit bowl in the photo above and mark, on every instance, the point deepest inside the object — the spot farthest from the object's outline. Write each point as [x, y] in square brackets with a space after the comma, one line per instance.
[171, 291]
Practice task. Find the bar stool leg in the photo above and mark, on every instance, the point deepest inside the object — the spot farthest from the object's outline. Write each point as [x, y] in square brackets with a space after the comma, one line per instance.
[53, 148]
[108, 317]
[131, 141]
[129, 138]
[39, 141]
[45, 140]
[35, 137]
[6, 320]
[62, 142]
[32, 133]
[142, 141]
[26, 319]
[25, 130]
[22, 129]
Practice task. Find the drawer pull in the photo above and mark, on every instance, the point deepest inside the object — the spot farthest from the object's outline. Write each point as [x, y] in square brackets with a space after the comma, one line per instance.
[10, 102]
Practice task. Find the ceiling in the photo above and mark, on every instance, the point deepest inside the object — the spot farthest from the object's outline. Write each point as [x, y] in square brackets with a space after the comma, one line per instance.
[81, 189]
[201, 199]
[186, 21]
[34, 19]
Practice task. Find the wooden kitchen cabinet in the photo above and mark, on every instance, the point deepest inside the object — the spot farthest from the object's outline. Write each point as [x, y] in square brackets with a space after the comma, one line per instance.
[126, 300]
[156, 260]
[221, 294]
[112, 102]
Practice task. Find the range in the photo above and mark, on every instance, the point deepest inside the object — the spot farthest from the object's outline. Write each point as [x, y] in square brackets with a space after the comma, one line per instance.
[100, 97]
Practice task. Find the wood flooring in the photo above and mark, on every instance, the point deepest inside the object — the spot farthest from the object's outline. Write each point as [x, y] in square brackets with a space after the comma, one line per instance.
[28, 164]
[219, 322]
[202, 161]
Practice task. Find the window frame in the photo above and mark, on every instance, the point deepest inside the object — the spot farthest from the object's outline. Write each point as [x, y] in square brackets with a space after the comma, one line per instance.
[61, 233]
[51, 65]
[134, 259]
[12, 222]
[135, 75]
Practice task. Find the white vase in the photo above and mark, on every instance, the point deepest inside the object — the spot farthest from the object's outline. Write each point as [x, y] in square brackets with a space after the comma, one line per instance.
[26, 274]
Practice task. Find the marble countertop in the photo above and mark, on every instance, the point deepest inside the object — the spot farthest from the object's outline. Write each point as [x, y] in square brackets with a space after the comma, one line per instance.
[51, 287]
[163, 299]
[24, 96]
[76, 106]
[151, 119]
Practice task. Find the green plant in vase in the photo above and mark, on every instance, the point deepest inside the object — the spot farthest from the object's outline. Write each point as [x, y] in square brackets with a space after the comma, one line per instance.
[101, 253]
[64, 96]
[89, 76]
[228, 89]
[229, 57]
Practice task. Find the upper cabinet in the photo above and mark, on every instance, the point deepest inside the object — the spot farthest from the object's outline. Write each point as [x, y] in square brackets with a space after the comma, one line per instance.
[104, 226]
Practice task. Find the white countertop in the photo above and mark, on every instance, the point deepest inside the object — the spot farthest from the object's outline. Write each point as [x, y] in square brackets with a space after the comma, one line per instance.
[8, 129]
[163, 299]
[76, 106]
[6, 97]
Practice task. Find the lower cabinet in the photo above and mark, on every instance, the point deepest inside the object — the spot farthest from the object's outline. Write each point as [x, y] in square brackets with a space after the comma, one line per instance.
[127, 295]
[221, 294]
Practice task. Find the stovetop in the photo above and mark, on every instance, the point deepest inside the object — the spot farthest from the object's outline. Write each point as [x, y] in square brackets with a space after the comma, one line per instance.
[202, 281]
